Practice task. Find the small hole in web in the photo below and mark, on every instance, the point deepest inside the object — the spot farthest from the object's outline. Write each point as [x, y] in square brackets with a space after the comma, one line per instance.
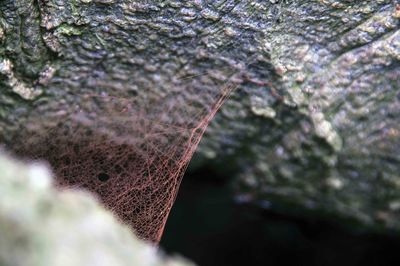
[103, 177]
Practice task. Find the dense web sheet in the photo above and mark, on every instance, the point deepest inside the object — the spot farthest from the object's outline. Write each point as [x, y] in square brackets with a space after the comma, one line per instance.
[130, 151]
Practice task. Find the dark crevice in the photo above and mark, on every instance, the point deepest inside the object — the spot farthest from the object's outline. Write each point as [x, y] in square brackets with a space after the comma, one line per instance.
[53, 56]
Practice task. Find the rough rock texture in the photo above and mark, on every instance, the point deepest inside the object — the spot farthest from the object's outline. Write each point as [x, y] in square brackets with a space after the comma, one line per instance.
[314, 122]
[42, 226]
[333, 145]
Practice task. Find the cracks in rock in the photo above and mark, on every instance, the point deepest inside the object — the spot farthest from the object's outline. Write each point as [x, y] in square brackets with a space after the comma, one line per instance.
[51, 54]
[25, 57]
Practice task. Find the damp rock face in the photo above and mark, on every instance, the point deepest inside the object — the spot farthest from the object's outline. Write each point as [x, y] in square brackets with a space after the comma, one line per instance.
[314, 121]
[42, 226]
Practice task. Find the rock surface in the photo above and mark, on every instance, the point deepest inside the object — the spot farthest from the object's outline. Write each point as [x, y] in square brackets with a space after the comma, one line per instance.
[313, 123]
[333, 144]
[42, 226]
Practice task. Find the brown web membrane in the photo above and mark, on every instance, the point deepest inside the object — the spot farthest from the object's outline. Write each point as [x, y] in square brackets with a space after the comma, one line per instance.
[130, 151]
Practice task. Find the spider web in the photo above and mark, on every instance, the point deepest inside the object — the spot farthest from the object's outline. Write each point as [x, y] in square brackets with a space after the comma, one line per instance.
[130, 151]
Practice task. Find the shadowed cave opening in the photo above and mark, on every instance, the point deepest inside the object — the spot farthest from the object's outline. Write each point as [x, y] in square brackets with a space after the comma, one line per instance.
[209, 227]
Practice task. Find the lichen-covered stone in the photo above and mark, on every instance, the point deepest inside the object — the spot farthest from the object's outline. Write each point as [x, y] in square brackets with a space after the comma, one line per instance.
[314, 121]
[40, 226]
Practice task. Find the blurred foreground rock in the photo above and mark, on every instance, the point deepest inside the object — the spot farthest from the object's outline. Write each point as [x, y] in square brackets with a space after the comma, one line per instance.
[40, 226]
